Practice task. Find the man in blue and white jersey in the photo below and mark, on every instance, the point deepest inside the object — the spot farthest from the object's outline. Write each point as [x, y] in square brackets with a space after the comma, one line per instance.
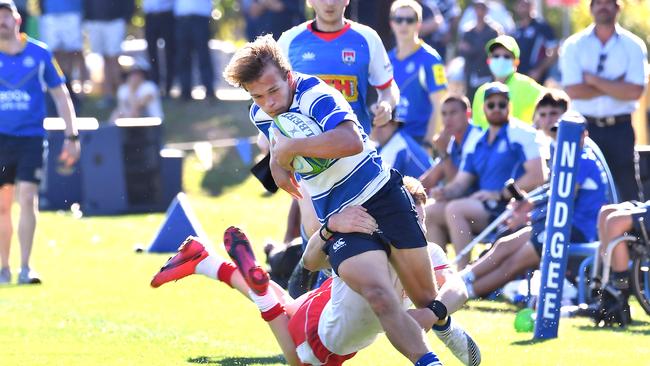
[27, 69]
[400, 151]
[348, 56]
[419, 73]
[356, 177]
[508, 149]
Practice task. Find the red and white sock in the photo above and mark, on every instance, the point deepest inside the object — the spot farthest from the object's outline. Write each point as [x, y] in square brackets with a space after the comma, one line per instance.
[268, 304]
[215, 267]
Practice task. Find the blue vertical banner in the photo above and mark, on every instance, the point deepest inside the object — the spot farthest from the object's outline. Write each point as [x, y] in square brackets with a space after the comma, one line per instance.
[558, 225]
[243, 147]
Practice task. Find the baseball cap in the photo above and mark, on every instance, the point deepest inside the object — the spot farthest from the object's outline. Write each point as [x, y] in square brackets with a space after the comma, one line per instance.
[507, 42]
[496, 88]
[479, 2]
[8, 4]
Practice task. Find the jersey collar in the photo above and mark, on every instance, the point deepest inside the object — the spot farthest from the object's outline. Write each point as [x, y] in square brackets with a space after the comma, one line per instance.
[329, 36]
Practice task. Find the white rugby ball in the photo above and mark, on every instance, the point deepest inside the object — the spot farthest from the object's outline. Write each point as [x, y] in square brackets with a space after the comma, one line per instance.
[296, 125]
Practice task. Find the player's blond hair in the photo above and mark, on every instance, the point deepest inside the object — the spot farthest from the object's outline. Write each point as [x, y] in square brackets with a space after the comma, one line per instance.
[412, 4]
[249, 62]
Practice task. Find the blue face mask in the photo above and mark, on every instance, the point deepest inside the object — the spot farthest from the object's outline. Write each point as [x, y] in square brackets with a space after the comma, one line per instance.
[502, 67]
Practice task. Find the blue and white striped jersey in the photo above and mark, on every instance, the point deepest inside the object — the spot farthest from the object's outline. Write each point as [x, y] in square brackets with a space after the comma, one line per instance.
[348, 181]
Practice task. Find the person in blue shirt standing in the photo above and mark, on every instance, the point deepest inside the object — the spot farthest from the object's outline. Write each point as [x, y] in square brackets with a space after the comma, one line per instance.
[508, 149]
[419, 73]
[26, 68]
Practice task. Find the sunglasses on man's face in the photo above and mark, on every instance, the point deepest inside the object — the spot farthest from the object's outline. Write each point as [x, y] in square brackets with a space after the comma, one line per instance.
[400, 20]
[493, 105]
[601, 63]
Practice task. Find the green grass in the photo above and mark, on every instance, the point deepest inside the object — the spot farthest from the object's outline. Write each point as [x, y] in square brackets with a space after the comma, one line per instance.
[96, 307]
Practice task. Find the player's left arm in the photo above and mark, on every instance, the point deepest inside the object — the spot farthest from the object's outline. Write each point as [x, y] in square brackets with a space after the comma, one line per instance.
[70, 150]
[380, 76]
[352, 219]
[341, 141]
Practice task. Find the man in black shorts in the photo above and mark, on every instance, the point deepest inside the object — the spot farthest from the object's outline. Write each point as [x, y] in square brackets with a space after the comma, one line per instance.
[26, 67]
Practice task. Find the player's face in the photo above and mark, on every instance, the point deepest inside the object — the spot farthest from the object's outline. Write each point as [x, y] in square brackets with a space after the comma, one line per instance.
[545, 118]
[8, 24]
[496, 109]
[404, 23]
[271, 91]
[454, 118]
[604, 11]
[329, 11]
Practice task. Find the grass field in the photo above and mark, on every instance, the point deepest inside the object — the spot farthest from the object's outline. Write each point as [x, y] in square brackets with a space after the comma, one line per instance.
[96, 307]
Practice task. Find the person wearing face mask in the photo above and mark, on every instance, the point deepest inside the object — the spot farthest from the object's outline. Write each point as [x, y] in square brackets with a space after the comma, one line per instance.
[508, 149]
[503, 59]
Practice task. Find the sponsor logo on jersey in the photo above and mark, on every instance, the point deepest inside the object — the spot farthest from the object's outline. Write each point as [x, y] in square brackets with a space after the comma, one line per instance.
[346, 84]
[349, 56]
[29, 62]
[439, 75]
[308, 56]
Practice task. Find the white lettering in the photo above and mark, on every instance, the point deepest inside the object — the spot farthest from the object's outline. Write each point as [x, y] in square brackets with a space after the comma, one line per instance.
[565, 182]
[553, 275]
[561, 214]
[557, 245]
[549, 303]
[568, 154]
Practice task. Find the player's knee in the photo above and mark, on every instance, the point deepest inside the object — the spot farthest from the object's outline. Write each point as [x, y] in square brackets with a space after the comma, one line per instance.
[379, 298]
[618, 223]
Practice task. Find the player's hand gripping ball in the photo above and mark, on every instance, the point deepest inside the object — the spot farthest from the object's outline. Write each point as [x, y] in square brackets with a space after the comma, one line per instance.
[296, 125]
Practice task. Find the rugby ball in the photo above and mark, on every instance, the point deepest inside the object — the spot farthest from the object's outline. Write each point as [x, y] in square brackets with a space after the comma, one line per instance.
[296, 125]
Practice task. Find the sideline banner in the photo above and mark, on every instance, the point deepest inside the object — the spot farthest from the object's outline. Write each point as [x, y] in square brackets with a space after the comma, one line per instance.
[558, 225]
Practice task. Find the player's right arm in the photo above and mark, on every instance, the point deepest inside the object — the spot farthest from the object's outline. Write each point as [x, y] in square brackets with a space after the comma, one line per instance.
[352, 219]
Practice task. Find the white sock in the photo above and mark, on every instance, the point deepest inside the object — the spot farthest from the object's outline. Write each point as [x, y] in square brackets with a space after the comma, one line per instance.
[264, 302]
[209, 266]
[470, 290]
[467, 275]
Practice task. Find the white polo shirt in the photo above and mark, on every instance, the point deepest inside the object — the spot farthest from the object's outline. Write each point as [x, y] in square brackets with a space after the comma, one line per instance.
[624, 54]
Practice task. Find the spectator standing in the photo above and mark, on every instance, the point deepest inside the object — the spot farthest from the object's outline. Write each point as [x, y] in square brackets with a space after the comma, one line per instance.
[472, 48]
[497, 12]
[27, 67]
[503, 58]
[105, 24]
[271, 16]
[419, 74]
[159, 24]
[536, 40]
[192, 30]
[604, 72]
[439, 37]
[138, 97]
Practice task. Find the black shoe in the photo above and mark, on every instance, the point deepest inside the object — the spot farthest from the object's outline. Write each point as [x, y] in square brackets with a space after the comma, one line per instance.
[614, 309]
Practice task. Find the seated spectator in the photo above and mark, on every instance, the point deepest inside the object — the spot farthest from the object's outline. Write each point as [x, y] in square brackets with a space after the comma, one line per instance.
[503, 58]
[419, 74]
[455, 121]
[137, 97]
[614, 221]
[399, 151]
[508, 149]
[514, 254]
[472, 48]
[536, 40]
